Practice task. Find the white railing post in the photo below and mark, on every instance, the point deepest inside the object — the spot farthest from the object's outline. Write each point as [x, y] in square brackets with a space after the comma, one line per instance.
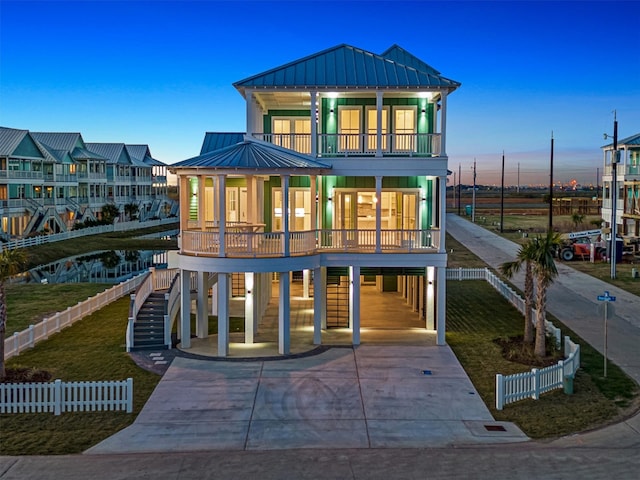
[57, 397]
[499, 392]
[129, 395]
[536, 384]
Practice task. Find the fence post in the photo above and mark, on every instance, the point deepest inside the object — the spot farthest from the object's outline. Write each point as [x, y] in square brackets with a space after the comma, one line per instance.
[31, 334]
[536, 384]
[57, 397]
[459, 273]
[129, 395]
[499, 391]
[16, 343]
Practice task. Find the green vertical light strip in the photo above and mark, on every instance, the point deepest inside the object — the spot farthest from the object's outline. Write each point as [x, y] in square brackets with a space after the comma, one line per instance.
[193, 201]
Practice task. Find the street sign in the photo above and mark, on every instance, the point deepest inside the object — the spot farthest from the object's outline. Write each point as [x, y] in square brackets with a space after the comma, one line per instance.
[606, 297]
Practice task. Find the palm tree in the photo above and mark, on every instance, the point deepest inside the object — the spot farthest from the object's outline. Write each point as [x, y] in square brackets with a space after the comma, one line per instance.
[544, 271]
[525, 257]
[577, 219]
[11, 262]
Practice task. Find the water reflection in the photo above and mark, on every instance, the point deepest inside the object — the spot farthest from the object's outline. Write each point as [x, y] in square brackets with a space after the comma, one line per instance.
[105, 266]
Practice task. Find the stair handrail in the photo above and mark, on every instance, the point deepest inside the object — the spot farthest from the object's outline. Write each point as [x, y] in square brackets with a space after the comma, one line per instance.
[172, 306]
[137, 300]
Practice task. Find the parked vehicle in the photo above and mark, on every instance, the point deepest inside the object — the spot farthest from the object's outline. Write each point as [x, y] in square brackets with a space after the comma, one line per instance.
[579, 244]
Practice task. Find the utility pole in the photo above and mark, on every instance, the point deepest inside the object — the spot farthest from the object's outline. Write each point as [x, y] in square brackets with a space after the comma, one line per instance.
[473, 203]
[459, 188]
[614, 194]
[454, 189]
[597, 182]
[502, 198]
[551, 188]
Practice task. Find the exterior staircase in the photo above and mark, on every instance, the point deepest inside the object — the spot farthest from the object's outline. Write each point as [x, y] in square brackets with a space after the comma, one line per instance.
[148, 329]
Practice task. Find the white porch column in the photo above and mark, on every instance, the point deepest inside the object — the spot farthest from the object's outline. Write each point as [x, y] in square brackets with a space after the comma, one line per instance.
[378, 214]
[313, 192]
[430, 302]
[443, 124]
[185, 308]
[201, 204]
[319, 305]
[185, 199]
[202, 315]
[306, 277]
[415, 297]
[222, 216]
[354, 303]
[285, 215]
[252, 198]
[250, 112]
[379, 125]
[223, 314]
[442, 180]
[250, 304]
[441, 316]
[313, 112]
[323, 299]
[214, 297]
[284, 314]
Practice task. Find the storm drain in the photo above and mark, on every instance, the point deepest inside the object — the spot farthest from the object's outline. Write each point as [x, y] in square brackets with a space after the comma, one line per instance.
[495, 428]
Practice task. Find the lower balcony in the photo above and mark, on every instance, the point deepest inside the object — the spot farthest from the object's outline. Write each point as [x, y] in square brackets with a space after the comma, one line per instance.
[240, 243]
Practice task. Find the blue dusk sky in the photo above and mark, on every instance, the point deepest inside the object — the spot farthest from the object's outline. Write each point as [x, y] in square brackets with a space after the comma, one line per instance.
[160, 72]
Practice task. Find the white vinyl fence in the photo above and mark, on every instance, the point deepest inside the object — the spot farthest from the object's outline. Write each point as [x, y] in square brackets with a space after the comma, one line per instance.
[56, 237]
[506, 291]
[25, 339]
[58, 397]
[511, 388]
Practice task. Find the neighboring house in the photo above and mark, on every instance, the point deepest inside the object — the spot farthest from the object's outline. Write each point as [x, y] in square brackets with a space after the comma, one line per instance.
[49, 181]
[627, 188]
[341, 176]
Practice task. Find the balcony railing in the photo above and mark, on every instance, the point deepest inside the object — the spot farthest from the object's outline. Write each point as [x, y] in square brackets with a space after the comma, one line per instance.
[21, 174]
[359, 144]
[242, 243]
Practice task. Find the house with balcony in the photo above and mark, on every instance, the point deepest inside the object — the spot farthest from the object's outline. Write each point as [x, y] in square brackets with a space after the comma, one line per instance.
[51, 180]
[627, 189]
[340, 179]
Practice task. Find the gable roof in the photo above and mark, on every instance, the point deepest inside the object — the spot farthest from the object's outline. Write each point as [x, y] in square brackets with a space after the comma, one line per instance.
[345, 66]
[141, 153]
[217, 140]
[113, 152]
[400, 55]
[59, 141]
[10, 138]
[252, 154]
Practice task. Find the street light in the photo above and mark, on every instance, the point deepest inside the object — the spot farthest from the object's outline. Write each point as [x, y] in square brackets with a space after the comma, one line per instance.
[615, 158]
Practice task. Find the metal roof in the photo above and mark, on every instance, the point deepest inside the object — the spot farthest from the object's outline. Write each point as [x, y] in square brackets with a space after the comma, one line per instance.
[400, 55]
[143, 154]
[59, 141]
[253, 155]
[111, 151]
[345, 66]
[632, 140]
[217, 140]
[10, 138]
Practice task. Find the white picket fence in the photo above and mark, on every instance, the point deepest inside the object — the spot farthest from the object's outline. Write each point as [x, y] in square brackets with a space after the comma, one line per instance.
[56, 237]
[506, 291]
[27, 338]
[58, 397]
[511, 388]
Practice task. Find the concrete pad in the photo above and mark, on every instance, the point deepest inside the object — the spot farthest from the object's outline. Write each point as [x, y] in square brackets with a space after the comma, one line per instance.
[286, 434]
[308, 398]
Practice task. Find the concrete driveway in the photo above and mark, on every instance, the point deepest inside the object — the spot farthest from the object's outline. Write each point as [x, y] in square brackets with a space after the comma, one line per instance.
[367, 397]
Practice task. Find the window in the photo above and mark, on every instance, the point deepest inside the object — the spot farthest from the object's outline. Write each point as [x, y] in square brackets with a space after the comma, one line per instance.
[404, 129]
[349, 128]
[372, 128]
[293, 133]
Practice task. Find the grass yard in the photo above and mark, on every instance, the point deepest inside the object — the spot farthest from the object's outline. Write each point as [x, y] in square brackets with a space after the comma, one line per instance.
[27, 304]
[92, 349]
[596, 400]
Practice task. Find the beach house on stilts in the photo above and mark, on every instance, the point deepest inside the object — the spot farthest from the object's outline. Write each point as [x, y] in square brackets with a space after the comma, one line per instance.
[339, 181]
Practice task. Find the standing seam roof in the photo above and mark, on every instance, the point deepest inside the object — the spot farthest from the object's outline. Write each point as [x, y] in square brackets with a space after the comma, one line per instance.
[347, 66]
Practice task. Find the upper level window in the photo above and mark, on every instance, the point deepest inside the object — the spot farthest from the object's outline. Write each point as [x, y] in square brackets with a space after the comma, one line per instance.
[372, 128]
[349, 128]
[293, 133]
[404, 128]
